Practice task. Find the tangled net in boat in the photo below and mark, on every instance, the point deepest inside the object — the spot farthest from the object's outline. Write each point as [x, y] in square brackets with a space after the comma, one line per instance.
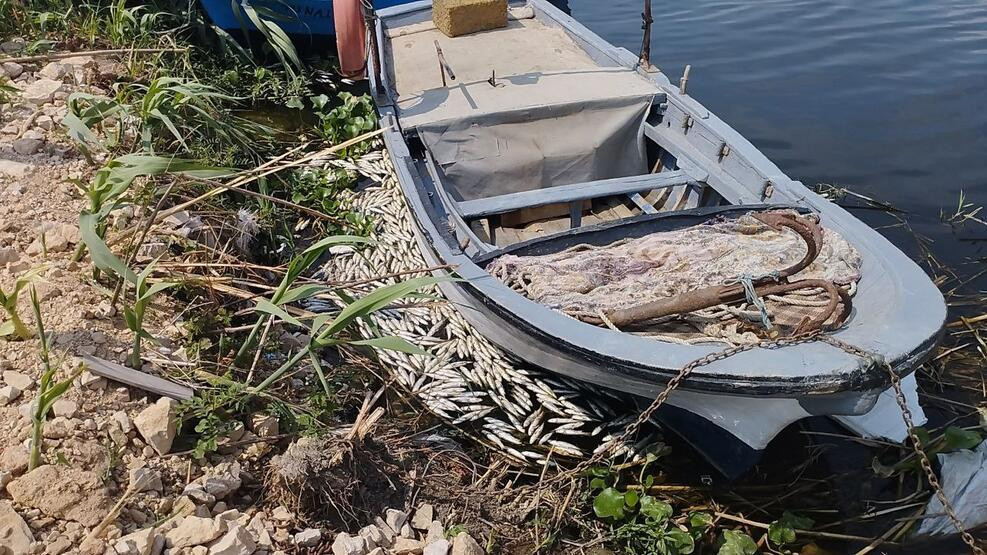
[523, 412]
[586, 281]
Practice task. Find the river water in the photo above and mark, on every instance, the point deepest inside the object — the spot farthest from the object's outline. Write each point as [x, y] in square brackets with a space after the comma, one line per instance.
[887, 97]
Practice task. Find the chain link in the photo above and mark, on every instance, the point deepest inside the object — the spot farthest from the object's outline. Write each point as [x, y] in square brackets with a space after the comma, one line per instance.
[806, 337]
[906, 415]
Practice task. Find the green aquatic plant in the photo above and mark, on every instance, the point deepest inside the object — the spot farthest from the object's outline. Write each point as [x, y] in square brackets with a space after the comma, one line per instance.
[351, 118]
[49, 390]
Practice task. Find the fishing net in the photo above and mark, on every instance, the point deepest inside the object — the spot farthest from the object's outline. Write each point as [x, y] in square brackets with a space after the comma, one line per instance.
[587, 281]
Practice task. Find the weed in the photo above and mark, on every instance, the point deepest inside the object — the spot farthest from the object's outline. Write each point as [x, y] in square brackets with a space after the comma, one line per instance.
[49, 390]
[326, 333]
[284, 294]
[14, 326]
[180, 109]
[111, 183]
[7, 93]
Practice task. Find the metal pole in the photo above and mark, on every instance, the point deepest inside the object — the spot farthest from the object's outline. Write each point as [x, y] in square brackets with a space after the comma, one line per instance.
[370, 17]
[645, 59]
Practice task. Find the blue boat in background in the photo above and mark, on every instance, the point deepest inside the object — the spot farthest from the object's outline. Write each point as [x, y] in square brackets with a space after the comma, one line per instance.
[295, 17]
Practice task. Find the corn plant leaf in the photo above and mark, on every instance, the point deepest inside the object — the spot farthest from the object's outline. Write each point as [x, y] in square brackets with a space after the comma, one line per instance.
[170, 125]
[47, 399]
[101, 255]
[302, 292]
[268, 307]
[6, 328]
[375, 301]
[317, 365]
[155, 289]
[391, 343]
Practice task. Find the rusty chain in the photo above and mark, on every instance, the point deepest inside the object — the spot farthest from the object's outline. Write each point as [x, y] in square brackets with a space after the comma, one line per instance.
[906, 415]
[806, 337]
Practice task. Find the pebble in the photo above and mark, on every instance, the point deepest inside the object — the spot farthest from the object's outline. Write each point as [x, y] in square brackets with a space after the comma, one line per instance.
[194, 530]
[346, 544]
[407, 546]
[13, 70]
[237, 541]
[440, 547]
[423, 517]
[8, 394]
[464, 544]
[18, 380]
[145, 479]
[395, 519]
[309, 537]
[65, 407]
[157, 424]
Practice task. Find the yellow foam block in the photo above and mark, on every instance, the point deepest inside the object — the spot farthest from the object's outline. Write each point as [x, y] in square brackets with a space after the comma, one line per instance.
[462, 17]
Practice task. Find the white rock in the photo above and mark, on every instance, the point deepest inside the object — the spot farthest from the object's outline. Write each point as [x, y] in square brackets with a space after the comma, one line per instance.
[236, 542]
[13, 69]
[423, 517]
[435, 532]
[7, 394]
[121, 419]
[18, 380]
[309, 537]
[27, 146]
[8, 254]
[395, 519]
[13, 169]
[59, 427]
[282, 514]
[407, 546]
[194, 530]
[65, 407]
[157, 424]
[440, 547]
[346, 544]
[376, 537]
[406, 531]
[140, 542]
[464, 544]
[15, 534]
[264, 425]
[41, 91]
[385, 529]
[145, 479]
[88, 380]
[53, 70]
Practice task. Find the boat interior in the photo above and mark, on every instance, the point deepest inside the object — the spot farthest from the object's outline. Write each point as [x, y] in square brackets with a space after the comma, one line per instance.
[530, 131]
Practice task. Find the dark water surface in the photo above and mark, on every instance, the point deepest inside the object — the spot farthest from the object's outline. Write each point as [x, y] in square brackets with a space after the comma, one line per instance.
[888, 97]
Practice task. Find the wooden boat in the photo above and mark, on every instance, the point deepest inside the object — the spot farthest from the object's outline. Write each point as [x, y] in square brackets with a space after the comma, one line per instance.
[543, 120]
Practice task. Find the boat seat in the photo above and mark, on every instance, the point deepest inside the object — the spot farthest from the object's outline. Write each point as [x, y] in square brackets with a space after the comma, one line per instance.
[576, 192]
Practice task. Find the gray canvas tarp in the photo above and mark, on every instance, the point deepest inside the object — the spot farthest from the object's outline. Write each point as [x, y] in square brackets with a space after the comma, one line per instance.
[539, 147]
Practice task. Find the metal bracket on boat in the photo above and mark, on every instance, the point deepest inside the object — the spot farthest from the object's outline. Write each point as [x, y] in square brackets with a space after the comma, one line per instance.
[774, 284]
